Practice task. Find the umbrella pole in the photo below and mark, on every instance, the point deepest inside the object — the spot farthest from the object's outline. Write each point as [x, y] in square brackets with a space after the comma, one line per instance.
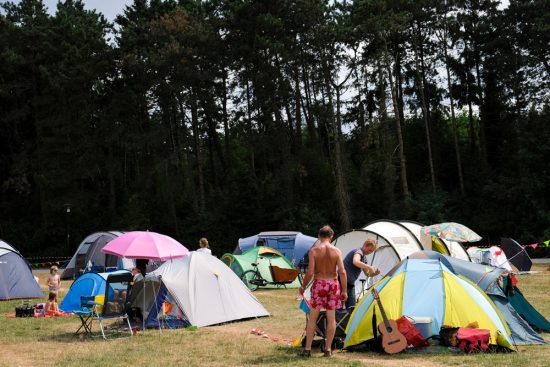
[508, 260]
[143, 306]
[155, 298]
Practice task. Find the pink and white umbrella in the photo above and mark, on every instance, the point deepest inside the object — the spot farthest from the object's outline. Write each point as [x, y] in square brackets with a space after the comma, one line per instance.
[145, 245]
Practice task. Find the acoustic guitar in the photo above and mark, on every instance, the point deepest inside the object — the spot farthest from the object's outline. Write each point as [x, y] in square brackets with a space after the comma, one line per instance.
[392, 340]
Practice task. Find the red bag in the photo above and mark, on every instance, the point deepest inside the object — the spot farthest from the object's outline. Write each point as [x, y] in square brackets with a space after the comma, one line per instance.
[411, 333]
[473, 340]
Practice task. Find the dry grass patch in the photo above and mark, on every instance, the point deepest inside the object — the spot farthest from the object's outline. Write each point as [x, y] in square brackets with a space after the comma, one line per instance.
[41, 342]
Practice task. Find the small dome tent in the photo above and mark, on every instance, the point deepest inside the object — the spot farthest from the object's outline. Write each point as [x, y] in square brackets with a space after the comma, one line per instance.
[265, 257]
[293, 245]
[16, 279]
[89, 252]
[89, 284]
[201, 290]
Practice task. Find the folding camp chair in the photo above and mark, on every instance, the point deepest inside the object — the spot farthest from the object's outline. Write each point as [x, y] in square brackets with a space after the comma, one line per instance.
[342, 318]
[86, 314]
[115, 302]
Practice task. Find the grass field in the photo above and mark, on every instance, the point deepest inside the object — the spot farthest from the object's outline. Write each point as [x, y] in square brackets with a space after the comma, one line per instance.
[46, 342]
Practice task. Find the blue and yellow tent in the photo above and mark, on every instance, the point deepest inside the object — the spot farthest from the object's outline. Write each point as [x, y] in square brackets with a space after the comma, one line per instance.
[427, 288]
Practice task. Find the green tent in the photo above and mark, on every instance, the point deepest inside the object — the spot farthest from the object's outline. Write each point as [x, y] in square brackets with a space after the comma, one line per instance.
[265, 257]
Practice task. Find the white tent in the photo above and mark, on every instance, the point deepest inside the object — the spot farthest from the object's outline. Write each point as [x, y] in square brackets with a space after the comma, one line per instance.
[493, 256]
[204, 289]
[396, 241]
[400, 237]
[385, 257]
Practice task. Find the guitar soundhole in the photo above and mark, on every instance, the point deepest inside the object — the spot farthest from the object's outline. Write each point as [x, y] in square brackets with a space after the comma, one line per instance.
[389, 329]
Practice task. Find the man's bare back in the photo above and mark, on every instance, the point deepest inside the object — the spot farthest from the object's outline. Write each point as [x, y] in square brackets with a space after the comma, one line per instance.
[325, 257]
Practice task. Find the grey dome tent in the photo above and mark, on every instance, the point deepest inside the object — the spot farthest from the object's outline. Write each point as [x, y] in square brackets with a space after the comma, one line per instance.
[16, 279]
[89, 252]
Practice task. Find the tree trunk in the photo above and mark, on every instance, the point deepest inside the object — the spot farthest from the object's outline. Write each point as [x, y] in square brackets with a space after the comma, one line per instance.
[226, 131]
[312, 132]
[482, 138]
[341, 186]
[198, 158]
[298, 106]
[342, 197]
[402, 160]
[425, 116]
[453, 119]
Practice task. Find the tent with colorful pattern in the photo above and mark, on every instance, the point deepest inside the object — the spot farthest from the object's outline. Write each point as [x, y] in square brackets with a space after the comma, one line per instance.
[451, 231]
[427, 288]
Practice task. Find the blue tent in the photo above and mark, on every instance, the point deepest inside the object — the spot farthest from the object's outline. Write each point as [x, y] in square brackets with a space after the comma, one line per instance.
[88, 284]
[427, 288]
[517, 311]
[16, 279]
[293, 245]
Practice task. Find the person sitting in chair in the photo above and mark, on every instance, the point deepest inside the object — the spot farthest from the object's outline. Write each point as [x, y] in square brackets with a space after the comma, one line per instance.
[113, 306]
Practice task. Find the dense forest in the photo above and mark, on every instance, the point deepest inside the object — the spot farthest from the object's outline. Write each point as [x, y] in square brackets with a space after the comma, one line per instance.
[224, 118]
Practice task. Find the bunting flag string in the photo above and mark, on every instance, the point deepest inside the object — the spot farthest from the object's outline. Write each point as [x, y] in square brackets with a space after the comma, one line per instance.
[541, 244]
[48, 261]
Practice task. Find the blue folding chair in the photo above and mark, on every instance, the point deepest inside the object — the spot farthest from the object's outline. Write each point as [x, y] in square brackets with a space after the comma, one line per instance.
[88, 308]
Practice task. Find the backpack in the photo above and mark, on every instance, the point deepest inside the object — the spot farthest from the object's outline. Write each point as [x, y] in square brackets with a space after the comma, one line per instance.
[473, 340]
[411, 333]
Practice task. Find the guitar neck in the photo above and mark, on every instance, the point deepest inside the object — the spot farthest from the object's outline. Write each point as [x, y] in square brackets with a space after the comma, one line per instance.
[382, 311]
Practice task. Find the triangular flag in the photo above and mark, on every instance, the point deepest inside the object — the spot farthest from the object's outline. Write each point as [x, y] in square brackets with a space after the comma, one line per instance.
[547, 243]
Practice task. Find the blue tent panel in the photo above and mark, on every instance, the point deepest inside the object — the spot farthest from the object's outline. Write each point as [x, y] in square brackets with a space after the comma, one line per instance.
[89, 284]
[152, 319]
[527, 311]
[420, 280]
[293, 245]
[522, 332]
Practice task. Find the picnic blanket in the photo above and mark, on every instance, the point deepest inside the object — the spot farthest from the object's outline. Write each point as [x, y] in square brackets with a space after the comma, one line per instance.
[12, 315]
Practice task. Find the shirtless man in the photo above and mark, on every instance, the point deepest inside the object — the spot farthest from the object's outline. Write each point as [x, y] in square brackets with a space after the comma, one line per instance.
[325, 263]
